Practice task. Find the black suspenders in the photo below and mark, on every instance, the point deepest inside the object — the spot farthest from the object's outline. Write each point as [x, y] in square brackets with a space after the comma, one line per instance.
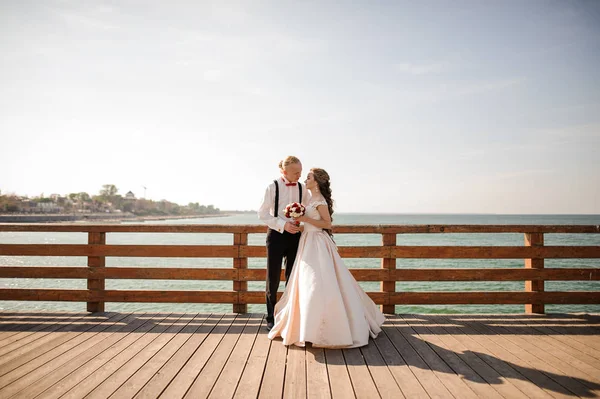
[277, 196]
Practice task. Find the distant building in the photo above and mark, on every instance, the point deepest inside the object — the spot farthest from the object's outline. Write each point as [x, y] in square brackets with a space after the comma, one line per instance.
[130, 195]
[48, 207]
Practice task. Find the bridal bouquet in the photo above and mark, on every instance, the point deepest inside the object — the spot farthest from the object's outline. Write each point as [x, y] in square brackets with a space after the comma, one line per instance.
[294, 210]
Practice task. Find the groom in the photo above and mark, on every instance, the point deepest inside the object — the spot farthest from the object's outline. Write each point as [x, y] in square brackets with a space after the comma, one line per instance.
[283, 235]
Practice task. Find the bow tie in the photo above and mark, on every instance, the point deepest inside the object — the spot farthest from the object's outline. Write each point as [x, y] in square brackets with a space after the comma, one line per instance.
[290, 184]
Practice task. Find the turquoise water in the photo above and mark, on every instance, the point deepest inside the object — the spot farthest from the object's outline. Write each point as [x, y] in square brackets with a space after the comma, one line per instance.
[341, 239]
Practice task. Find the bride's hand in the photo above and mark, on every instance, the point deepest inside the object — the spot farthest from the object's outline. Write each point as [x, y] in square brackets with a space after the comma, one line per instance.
[301, 219]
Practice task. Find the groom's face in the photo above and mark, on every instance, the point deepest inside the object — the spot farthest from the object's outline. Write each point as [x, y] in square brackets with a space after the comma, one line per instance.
[293, 171]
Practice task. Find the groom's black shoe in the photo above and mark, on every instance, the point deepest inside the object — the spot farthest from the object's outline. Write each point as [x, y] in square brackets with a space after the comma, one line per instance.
[269, 325]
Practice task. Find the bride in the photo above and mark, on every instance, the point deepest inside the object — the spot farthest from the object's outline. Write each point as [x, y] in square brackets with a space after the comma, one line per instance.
[322, 303]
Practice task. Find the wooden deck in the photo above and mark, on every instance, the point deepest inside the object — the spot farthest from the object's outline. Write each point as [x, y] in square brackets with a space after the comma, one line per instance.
[71, 355]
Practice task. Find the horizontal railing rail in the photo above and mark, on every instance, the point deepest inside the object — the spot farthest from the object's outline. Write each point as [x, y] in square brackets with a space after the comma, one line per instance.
[533, 252]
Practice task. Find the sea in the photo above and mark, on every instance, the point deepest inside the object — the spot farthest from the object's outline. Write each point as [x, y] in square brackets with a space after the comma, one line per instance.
[503, 239]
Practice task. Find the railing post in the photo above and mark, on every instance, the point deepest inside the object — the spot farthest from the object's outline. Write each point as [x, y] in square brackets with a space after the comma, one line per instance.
[96, 285]
[388, 239]
[241, 262]
[534, 240]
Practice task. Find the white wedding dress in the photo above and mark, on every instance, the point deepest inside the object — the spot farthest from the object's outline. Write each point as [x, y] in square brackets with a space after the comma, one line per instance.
[322, 303]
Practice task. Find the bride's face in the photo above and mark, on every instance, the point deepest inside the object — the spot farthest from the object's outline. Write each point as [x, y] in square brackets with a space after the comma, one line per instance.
[310, 181]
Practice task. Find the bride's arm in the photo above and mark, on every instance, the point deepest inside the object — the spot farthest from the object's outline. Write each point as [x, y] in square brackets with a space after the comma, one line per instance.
[324, 223]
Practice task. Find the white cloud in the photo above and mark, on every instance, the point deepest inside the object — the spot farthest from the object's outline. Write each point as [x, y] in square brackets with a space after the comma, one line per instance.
[80, 20]
[421, 69]
[481, 87]
[212, 75]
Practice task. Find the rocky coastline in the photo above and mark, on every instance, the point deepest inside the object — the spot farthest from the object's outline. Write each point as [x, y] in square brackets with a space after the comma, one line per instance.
[94, 217]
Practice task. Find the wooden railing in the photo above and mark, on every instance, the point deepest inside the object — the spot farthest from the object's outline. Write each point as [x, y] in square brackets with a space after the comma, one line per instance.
[534, 252]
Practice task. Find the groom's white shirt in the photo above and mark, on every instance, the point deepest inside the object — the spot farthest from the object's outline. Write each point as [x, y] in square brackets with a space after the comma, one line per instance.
[287, 195]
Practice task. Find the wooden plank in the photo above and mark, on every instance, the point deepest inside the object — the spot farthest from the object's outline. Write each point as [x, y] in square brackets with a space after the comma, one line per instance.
[170, 296]
[142, 376]
[164, 251]
[481, 378]
[133, 228]
[44, 272]
[119, 296]
[272, 383]
[494, 252]
[20, 352]
[227, 382]
[317, 378]
[499, 346]
[545, 341]
[258, 297]
[180, 273]
[185, 377]
[400, 371]
[35, 359]
[249, 384]
[115, 380]
[362, 382]
[542, 361]
[339, 378]
[240, 263]
[207, 378]
[510, 379]
[442, 371]
[255, 251]
[428, 379]
[389, 265]
[16, 330]
[147, 273]
[189, 351]
[96, 284]
[534, 240]
[504, 274]
[536, 343]
[359, 274]
[581, 336]
[362, 229]
[382, 377]
[295, 373]
[22, 377]
[43, 295]
[107, 369]
[494, 298]
[62, 378]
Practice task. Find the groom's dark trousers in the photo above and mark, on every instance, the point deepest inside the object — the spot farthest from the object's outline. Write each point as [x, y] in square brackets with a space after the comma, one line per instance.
[280, 247]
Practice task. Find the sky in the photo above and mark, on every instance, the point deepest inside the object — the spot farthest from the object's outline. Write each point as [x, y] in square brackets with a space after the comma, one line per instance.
[412, 107]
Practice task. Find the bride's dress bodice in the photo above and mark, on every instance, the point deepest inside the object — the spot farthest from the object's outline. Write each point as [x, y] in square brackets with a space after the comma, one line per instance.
[313, 213]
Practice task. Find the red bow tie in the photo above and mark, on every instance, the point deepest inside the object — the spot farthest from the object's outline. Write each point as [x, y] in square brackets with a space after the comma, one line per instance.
[290, 184]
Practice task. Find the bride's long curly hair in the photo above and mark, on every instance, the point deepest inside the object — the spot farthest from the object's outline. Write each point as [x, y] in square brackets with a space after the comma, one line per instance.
[323, 182]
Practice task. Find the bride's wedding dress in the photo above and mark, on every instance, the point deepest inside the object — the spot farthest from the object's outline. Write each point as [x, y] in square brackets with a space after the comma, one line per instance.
[322, 303]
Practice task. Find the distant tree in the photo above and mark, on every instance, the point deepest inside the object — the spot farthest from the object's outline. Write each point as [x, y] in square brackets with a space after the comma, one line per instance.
[128, 207]
[84, 197]
[108, 190]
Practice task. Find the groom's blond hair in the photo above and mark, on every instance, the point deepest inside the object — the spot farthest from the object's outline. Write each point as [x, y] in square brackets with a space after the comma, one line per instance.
[288, 161]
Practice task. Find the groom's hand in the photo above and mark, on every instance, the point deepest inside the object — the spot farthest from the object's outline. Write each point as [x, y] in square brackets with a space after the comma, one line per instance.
[291, 228]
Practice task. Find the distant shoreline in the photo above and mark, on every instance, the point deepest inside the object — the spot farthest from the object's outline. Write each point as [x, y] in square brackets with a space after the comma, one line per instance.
[97, 217]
